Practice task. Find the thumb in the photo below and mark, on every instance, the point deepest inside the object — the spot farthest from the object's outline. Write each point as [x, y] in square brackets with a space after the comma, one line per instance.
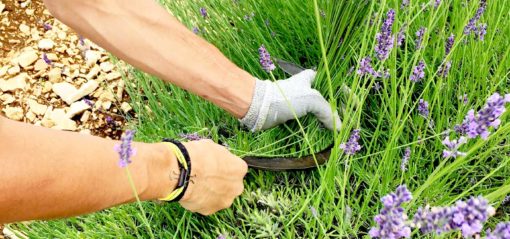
[322, 110]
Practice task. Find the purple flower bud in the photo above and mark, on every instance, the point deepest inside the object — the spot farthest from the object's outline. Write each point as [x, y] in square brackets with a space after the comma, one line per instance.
[88, 102]
[419, 37]
[81, 40]
[46, 59]
[401, 36]
[221, 236]
[124, 149]
[47, 26]
[191, 137]
[423, 108]
[453, 146]
[444, 69]
[418, 72]
[404, 4]
[437, 3]
[203, 12]
[352, 146]
[481, 31]
[449, 44]
[265, 59]
[366, 67]
[196, 30]
[385, 38]
[405, 158]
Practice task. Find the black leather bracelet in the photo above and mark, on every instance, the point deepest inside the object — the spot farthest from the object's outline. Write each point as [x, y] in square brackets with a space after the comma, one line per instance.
[185, 170]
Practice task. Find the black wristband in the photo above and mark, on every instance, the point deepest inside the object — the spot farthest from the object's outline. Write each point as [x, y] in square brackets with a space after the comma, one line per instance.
[184, 174]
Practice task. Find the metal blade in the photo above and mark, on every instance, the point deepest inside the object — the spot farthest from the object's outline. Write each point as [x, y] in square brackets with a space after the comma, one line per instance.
[289, 67]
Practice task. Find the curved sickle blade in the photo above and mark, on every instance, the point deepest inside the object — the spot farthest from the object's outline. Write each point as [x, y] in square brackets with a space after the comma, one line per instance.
[289, 67]
[285, 164]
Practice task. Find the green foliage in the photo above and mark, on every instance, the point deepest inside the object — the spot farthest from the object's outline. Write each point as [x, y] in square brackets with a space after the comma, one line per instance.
[347, 190]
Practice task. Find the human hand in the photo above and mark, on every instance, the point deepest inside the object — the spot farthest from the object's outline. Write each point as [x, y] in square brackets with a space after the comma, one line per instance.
[270, 108]
[216, 177]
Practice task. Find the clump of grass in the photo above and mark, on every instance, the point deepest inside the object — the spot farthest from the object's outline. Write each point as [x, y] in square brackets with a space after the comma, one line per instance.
[457, 72]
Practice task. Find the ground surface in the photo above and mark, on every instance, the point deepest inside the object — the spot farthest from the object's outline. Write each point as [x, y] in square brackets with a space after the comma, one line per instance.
[44, 62]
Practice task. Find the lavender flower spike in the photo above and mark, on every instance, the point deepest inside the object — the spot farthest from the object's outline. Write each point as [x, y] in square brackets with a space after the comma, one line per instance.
[502, 231]
[471, 26]
[418, 72]
[391, 221]
[423, 108]
[419, 37]
[449, 44]
[352, 146]
[405, 158]
[366, 67]
[124, 148]
[445, 69]
[265, 59]
[385, 39]
[478, 124]
[203, 12]
[453, 147]
[191, 137]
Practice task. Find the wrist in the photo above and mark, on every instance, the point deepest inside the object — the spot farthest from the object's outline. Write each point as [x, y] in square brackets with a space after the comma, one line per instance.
[163, 172]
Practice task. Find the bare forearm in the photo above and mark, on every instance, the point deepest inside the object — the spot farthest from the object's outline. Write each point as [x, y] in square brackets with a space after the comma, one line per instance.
[143, 34]
[46, 173]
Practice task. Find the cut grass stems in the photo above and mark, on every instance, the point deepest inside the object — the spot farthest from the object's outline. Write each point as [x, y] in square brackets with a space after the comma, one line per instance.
[341, 199]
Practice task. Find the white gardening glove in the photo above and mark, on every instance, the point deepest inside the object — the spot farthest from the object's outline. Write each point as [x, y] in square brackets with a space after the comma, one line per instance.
[270, 108]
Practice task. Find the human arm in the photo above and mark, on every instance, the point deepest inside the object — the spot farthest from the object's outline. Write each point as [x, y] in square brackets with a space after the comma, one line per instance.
[46, 173]
[144, 34]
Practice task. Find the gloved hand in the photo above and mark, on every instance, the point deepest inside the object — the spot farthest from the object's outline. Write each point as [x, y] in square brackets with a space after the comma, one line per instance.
[270, 108]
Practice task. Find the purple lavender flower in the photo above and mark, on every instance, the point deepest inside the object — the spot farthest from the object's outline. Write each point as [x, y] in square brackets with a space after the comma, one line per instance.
[437, 3]
[366, 67]
[46, 59]
[124, 148]
[404, 4]
[203, 12]
[401, 36]
[418, 72]
[221, 236]
[249, 17]
[449, 44]
[419, 37]
[405, 158]
[471, 26]
[385, 38]
[444, 69]
[88, 102]
[377, 86]
[265, 59]
[352, 146]
[481, 31]
[465, 99]
[453, 147]
[196, 30]
[502, 231]
[478, 124]
[468, 217]
[81, 40]
[191, 137]
[47, 26]
[391, 221]
[423, 108]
